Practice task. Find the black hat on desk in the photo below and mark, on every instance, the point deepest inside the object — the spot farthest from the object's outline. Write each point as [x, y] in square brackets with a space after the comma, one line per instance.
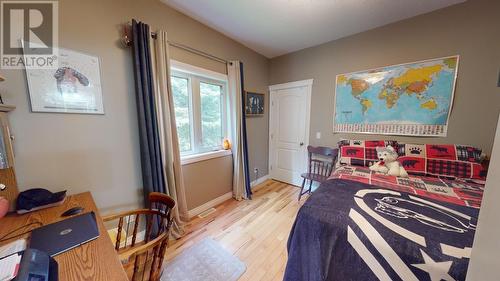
[38, 198]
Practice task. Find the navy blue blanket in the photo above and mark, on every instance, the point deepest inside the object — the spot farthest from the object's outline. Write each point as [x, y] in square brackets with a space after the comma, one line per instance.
[354, 231]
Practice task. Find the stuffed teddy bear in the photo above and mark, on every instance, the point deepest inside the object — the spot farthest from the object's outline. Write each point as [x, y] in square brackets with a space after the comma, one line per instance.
[388, 163]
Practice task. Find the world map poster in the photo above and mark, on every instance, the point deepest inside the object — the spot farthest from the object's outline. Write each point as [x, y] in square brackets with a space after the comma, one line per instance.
[412, 99]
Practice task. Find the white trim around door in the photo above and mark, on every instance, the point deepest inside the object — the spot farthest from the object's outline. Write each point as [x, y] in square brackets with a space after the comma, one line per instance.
[275, 90]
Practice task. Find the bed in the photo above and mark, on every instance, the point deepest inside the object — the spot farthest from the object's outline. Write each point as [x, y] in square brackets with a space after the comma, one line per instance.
[360, 225]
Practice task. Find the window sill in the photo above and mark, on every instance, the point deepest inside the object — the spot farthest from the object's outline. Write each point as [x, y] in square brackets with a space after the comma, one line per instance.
[189, 159]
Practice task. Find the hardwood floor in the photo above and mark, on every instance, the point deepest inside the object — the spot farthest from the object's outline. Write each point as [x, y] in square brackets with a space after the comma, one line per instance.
[256, 231]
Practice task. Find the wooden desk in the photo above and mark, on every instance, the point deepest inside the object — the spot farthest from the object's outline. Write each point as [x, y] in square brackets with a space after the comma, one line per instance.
[95, 260]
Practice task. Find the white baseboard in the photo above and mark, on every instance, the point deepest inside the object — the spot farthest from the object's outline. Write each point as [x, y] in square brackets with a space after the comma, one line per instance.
[259, 180]
[210, 204]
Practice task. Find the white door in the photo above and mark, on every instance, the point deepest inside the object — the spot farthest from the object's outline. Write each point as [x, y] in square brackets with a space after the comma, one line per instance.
[289, 130]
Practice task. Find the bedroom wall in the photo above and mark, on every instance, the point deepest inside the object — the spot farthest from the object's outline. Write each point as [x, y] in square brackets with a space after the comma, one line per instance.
[484, 257]
[470, 29]
[101, 153]
[208, 179]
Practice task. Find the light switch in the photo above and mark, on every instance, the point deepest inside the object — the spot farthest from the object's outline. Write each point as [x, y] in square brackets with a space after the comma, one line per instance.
[318, 135]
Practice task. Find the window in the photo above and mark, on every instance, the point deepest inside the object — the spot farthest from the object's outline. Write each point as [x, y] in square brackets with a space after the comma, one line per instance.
[211, 114]
[199, 103]
[182, 106]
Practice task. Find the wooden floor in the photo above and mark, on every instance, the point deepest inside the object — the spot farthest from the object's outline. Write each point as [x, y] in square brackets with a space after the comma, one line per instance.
[256, 231]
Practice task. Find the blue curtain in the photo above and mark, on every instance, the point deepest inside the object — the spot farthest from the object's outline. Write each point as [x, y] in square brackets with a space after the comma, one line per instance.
[153, 176]
[248, 189]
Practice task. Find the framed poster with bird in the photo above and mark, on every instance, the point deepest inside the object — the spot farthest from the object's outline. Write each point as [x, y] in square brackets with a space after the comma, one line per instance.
[71, 85]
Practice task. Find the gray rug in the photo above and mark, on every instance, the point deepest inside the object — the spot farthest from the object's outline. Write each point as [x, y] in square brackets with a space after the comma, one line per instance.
[205, 261]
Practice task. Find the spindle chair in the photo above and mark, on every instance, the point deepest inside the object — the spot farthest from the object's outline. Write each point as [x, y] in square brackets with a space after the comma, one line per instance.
[321, 162]
[140, 250]
[160, 201]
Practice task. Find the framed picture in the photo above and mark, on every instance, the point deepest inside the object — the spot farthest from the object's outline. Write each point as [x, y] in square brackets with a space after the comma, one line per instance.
[74, 86]
[254, 104]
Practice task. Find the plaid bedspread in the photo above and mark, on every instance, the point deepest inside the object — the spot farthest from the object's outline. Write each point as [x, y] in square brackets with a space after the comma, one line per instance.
[465, 192]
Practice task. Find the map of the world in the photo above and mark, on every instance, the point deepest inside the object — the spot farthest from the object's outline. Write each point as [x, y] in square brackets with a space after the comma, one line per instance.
[407, 99]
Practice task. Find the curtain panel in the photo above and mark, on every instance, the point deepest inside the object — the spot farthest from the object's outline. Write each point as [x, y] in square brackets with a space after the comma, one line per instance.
[160, 156]
[238, 132]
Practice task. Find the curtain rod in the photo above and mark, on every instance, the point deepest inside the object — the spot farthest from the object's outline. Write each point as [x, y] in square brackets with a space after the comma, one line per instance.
[127, 41]
[195, 51]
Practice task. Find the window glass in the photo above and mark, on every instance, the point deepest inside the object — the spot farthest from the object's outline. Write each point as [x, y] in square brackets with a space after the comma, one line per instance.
[180, 90]
[211, 115]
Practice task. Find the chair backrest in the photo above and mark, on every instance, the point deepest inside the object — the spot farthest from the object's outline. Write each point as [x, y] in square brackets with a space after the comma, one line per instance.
[147, 254]
[321, 160]
[161, 202]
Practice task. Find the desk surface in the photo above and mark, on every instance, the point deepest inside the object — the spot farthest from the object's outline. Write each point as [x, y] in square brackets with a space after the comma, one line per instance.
[96, 260]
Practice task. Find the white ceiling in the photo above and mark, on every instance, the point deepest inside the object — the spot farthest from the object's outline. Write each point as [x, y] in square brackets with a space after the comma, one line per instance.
[277, 27]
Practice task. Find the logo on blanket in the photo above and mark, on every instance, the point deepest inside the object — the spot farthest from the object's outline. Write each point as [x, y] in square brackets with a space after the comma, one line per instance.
[433, 234]
[423, 213]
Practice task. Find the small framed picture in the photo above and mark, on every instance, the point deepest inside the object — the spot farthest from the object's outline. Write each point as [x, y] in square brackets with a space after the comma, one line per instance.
[254, 104]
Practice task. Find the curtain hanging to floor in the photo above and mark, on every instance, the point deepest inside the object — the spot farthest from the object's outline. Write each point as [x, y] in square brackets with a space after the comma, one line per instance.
[160, 156]
[238, 132]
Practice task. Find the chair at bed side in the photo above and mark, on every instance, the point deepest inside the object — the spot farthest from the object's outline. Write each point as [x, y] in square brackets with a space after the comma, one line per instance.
[321, 162]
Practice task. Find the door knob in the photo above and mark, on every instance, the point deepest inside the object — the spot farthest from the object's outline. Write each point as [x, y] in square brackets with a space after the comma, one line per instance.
[301, 144]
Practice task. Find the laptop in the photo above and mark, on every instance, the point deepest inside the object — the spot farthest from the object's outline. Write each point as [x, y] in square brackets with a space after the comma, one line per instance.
[59, 237]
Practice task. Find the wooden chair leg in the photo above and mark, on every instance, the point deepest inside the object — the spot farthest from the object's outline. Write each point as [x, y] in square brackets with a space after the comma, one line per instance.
[310, 186]
[302, 188]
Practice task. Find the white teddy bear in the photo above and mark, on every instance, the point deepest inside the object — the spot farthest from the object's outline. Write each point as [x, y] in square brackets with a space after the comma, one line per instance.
[388, 163]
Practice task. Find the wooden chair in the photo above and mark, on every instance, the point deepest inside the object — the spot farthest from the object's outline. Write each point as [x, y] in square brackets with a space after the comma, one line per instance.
[321, 162]
[140, 250]
[160, 201]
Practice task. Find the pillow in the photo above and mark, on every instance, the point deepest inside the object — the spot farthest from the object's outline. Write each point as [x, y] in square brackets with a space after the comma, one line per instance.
[446, 160]
[441, 151]
[455, 169]
[359, 152]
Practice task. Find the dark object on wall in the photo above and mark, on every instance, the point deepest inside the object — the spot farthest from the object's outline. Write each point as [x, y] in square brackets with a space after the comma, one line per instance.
[498, 84]
[254, 104]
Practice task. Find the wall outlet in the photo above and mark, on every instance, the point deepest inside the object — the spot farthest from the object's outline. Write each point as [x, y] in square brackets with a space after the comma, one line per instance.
[318, 135]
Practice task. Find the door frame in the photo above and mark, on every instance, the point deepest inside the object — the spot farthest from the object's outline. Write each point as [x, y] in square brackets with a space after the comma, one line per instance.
[273, 91]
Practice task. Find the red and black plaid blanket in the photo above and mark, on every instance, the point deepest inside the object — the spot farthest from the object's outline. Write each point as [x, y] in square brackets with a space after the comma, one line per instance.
[465, 192]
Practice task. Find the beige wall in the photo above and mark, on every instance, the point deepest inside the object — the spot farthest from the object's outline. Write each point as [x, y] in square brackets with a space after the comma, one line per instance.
[101, 153]
[484, 257]
[208, 179]
[471, 30]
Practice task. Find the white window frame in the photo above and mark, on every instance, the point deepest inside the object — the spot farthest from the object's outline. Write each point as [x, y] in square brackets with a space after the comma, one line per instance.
[190, 97]
[195, 75]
